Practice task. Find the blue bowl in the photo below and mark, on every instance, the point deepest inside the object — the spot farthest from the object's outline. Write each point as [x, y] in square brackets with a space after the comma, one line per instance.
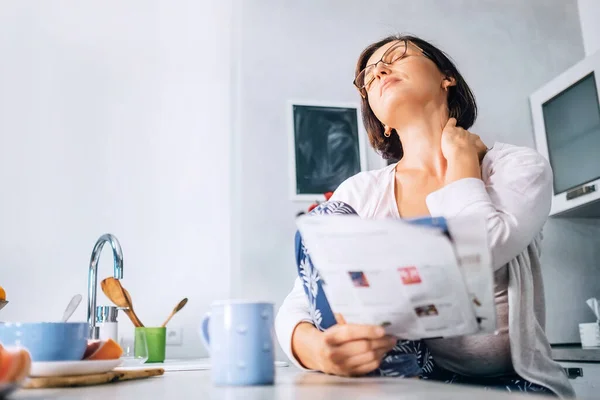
[47, 341]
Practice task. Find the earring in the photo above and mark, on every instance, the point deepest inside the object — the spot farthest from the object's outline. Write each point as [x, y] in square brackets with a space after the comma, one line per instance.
[387, 132]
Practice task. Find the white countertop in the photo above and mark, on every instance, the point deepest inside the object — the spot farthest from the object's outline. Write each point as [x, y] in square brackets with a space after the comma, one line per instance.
[575, 353]
[193, 364]
[291, 383]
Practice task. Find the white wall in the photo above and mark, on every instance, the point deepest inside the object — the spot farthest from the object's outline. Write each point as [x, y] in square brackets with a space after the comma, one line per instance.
[115, 117]
[164, 123]
[589, 15]
[307, 50]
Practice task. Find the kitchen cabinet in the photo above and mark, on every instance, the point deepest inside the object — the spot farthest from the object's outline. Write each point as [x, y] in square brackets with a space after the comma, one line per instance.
[585, 378]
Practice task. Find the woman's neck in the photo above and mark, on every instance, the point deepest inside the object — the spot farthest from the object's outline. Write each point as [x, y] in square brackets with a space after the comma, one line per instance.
[422, 144]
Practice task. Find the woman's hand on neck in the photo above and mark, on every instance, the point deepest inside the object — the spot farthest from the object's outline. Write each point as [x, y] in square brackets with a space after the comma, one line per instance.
[462, 151]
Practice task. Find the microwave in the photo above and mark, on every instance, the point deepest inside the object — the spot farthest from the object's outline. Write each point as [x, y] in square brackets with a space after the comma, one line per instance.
[566, 123]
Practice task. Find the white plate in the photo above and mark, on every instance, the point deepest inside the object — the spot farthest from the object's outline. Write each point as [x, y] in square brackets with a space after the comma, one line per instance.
[71, 368]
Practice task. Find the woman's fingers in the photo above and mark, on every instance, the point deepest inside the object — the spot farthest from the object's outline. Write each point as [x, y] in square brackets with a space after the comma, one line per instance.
[365, 358]
[451, 123]
[364, 347]
[365, 368]
[357, 355]
[342, 333]
[480, 147]
[339, 318]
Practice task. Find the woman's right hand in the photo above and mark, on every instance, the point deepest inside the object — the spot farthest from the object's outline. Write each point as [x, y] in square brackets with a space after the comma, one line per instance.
[344, 349]
[354, 350]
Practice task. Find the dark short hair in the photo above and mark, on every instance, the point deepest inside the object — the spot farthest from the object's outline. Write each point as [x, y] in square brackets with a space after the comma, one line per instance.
[461, 101]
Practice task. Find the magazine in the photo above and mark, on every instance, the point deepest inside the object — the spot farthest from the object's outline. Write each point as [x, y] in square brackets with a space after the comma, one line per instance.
[420, 278]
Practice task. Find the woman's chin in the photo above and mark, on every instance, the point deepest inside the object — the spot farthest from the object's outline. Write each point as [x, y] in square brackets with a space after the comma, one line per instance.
[394, 104]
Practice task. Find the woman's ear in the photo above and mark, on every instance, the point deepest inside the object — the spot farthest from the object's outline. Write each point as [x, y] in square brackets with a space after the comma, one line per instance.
[448, 81]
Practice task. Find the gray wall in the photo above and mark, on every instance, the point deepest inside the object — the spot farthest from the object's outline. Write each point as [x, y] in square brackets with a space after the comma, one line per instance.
[307, 50]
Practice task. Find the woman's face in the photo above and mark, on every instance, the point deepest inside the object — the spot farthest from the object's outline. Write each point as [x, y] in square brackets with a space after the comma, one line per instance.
[407, 85]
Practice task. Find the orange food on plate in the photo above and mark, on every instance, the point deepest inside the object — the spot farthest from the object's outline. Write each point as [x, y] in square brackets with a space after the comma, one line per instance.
[2, 294]
[14, 365]
[107, 350]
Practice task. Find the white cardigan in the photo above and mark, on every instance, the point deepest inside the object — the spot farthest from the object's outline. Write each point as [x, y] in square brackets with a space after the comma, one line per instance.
[514, 196]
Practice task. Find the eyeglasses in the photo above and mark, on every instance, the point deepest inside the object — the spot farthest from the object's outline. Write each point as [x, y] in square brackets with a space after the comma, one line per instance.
[393, 54]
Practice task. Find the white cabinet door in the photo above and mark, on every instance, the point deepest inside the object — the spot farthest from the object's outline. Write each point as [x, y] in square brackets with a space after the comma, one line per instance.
[587, 386]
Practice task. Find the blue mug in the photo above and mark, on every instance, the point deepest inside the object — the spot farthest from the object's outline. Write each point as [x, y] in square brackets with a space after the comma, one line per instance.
[47, 341]
[240, 336]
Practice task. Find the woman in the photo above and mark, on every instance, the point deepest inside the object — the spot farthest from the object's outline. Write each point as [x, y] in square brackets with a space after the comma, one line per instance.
[416, 107]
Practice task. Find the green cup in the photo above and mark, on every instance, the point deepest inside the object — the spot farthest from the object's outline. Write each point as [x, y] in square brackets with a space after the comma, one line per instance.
[155, 341]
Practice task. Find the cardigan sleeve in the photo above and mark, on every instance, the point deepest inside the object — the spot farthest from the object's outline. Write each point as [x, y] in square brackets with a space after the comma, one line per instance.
[514, 198]
[292, 312]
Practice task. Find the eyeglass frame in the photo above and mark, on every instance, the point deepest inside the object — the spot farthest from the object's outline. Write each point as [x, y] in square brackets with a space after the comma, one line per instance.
[374, 65]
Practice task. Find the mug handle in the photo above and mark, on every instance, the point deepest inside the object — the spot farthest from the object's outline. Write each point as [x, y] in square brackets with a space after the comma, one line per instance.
[204, 335]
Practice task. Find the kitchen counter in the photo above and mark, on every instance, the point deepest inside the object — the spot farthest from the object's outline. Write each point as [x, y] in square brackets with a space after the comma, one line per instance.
[291, 383]
[575, 353]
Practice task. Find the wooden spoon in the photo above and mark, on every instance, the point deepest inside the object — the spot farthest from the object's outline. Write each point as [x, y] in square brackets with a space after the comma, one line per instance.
[129, 311]
[116, 293]
[177, 308]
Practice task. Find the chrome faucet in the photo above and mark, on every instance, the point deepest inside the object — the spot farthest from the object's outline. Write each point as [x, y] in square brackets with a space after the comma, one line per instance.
[93, 276]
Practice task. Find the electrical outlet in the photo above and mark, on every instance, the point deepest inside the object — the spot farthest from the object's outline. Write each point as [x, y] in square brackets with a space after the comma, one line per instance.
[174, 336]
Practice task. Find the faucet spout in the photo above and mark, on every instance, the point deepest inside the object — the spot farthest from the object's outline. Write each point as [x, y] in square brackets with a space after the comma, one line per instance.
[93, 276]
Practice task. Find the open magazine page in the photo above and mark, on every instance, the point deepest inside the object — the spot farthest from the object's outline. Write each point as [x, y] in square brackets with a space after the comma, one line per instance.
[392, 273]
[469, 237]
